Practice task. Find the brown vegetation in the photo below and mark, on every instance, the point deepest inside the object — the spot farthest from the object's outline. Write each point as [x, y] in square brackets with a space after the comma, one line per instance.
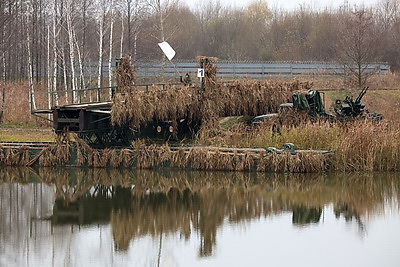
[124, 75]
[144, 156]
[244, 97]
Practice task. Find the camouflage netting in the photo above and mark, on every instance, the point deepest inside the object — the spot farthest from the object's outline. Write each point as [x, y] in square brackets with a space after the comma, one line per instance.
[210, 70]
[218, 99]
[125, 75]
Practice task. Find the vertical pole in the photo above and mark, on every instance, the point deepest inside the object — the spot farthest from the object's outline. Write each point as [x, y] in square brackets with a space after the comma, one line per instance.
[202, 87]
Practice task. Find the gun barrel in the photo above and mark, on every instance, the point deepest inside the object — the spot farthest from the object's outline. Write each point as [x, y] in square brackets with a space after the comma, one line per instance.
[361, 95]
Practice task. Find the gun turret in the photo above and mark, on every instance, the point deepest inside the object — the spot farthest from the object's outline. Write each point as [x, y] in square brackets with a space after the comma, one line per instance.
[352, 109]
[349, 108]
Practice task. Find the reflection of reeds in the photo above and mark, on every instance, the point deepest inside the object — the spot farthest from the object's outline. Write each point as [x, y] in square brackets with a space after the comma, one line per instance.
[188, 202]
[15, 175]
[364, 192]
[166, 201]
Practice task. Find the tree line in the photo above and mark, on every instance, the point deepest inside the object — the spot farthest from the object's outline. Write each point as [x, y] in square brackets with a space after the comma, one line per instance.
[54, 41]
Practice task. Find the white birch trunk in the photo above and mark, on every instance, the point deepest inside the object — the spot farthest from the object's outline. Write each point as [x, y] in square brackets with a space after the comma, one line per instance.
[122, 37]
[49, 94]
[71, 50]
[32, 102]
[101, 33]
[110, 74]
[3, 95]
[55, 34]
[64, 64]
[81, 77]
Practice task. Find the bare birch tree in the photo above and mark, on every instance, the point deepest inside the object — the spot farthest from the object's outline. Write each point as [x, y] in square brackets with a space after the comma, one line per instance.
[4, 38]
[71, 43]
[3, 87]
[80, 62]
[135, 12]
[102, 11]
[49, 85]
[122, 38]
[55, 54]
[32, 102]
[110, 73]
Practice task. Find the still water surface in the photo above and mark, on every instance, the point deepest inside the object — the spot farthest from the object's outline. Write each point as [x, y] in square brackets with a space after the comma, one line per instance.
[78, 217]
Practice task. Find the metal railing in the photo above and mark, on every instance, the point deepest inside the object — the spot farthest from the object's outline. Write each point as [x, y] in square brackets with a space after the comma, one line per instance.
[237, 69]
[256, 69]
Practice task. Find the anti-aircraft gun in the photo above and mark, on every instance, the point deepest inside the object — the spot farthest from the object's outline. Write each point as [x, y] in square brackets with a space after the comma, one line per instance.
[349, 109]
[312, 102]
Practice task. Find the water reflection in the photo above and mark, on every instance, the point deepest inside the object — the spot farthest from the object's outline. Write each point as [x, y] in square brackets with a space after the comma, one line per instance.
[44, 206]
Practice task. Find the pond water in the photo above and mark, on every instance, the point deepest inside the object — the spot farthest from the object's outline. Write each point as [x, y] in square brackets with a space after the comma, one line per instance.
[83, 217]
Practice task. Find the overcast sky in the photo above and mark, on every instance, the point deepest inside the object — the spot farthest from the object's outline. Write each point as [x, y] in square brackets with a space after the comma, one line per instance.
[286, 4]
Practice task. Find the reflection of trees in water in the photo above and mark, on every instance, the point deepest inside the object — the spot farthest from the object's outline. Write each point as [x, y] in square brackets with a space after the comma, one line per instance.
[349, 213]
[303, 215]
[142, 203]
[12, 174]
[187, 211]
[208, 200]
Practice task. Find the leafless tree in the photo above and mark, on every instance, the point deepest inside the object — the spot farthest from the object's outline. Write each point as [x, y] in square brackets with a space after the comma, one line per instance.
[358, 44]
[110, 74]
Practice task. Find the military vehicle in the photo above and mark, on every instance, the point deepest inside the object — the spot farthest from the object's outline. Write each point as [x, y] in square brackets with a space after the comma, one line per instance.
[312, 102]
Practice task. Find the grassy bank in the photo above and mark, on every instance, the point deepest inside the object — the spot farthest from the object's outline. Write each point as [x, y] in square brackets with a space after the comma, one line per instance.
[360, 145]
[23, 133]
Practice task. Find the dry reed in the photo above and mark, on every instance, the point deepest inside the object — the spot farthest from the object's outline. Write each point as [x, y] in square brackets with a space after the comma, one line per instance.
[144, 156]
[125, 76]
[368, 146]
[358, 146]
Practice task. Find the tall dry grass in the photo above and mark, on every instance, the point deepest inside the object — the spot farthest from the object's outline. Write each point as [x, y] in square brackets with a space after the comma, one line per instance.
[360, 145]
[367, 146]
[16, 104]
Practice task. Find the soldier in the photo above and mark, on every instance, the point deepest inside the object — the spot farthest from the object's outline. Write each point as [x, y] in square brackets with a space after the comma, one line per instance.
[186, 81]
[337, 107]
